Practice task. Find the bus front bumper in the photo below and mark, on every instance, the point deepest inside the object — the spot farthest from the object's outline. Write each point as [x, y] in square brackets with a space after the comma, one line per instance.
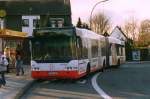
[56, 75]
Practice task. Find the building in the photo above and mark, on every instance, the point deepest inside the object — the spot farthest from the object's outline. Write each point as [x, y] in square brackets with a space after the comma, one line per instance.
[9, 39]
[25, 15]
[118, 33]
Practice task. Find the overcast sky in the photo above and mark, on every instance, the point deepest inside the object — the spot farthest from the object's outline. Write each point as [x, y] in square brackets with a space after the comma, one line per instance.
[117, 10]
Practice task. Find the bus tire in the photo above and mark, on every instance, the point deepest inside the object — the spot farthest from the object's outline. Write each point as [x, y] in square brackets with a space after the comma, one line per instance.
[88, 69]
[104, 65]
[118, 63]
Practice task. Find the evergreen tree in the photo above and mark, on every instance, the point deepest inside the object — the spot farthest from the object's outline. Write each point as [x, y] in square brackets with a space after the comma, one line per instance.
[79, 23]
[85, 25]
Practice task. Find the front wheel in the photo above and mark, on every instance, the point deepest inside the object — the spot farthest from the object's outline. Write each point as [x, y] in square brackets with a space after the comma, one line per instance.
[104, 65]
[118, 64]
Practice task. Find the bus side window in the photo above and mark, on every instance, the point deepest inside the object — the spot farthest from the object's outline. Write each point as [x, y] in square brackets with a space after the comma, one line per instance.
[84, 48]
[110, 49]
[94, 48]
[73, 48]
[79, 47]
[103, 48]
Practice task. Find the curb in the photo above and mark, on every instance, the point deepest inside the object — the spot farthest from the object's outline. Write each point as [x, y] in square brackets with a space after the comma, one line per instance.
[130, 62]
[24, 89]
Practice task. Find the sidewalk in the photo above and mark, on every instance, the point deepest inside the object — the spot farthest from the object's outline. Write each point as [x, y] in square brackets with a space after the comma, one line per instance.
[16, 85]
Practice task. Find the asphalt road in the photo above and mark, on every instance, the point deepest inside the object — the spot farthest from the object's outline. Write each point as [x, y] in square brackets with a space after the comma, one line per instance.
[130, 81]
[63, 89]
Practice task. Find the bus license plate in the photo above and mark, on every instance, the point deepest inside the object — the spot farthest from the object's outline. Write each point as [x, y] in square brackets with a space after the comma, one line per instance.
[52, 73]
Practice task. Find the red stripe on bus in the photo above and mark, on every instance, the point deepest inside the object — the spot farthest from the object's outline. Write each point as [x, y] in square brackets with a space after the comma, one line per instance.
[56, 74]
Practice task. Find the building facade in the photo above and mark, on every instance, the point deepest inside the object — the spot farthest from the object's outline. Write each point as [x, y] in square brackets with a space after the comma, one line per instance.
[25, 15]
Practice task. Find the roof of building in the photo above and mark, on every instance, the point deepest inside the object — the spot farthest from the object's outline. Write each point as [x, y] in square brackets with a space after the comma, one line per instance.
[118, 33]
[36, 7]
[12, 33]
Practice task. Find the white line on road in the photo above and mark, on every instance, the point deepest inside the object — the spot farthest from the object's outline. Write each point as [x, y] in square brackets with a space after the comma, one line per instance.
[98, 89]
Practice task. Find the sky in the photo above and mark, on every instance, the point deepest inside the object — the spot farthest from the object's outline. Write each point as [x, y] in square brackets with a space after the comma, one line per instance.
[118, 11]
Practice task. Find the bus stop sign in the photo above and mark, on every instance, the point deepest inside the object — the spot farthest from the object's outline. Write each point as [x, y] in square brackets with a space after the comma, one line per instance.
[2, 13]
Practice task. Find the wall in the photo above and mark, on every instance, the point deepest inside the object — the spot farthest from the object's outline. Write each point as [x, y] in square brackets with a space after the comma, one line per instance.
[30, 28]
[14, 22]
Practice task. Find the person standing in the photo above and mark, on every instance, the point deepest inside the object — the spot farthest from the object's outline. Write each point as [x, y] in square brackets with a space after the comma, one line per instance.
[7, 54]
[3, 69]
[19, 65]
[19, 60]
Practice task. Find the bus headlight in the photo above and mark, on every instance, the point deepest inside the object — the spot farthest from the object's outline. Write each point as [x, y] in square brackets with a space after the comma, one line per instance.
[71, 68]
[36, 68]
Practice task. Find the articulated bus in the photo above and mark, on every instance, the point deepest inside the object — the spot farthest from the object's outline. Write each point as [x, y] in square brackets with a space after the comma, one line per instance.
[115, 54]
[68, 53]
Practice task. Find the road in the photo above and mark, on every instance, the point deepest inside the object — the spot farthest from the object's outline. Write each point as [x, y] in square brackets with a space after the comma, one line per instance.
[62, 89]
[130, 81]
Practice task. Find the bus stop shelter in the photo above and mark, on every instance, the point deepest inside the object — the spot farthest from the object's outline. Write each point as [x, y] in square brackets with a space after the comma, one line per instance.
[10, 38]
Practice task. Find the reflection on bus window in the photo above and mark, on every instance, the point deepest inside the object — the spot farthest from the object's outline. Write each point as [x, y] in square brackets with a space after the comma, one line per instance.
[52, 48]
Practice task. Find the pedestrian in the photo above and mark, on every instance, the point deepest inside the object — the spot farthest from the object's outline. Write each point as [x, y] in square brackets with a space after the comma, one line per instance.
[3, 69]
[19, 61]
[7, 54]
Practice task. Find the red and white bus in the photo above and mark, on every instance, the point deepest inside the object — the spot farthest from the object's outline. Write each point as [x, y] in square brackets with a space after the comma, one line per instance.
[66, 53]
[71, 53]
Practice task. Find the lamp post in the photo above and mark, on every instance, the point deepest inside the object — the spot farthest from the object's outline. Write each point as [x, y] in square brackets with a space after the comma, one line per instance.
[2, 18]
[93, 10]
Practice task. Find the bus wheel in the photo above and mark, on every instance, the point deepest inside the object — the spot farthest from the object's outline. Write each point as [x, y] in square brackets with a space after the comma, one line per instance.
[88, 69]
[40, 80]
[118, 64]
[104, 65]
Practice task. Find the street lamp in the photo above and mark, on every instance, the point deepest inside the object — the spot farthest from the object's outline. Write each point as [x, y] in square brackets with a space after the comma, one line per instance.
[93, 10]
[2, 17]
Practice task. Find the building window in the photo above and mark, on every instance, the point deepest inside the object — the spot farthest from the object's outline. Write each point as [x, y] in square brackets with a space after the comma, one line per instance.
[36, 23]
[60, 24]
[57, 22]
[53, 24]
[25, 22]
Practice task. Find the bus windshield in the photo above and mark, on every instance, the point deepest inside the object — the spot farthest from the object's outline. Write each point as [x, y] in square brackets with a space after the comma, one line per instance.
[53, 48]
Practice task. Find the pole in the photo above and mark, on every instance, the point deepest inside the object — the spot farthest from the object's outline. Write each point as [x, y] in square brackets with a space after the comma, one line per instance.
[93, 10]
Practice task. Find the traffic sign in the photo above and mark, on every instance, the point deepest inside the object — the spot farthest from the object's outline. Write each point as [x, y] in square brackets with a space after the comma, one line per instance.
[2, 13]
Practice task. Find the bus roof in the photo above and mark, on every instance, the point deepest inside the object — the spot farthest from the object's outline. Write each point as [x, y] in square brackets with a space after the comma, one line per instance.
[47, 31]
[88, 34]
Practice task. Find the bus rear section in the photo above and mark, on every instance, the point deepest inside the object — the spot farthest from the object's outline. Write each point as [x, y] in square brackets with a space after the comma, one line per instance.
[116, 51]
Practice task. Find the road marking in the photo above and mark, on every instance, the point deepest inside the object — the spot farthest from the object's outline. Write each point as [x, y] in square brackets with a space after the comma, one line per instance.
[98, 89]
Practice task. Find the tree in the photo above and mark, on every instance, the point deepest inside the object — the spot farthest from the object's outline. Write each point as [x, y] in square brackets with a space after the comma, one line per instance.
[79, 23]
[85, 25]
[82, 25]
[128, 49]
[144, 34]
[100, 23]
[130, 29]
[145, 26]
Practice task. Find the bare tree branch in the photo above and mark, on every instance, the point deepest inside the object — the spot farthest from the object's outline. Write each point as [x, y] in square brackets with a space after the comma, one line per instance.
[100, 23]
